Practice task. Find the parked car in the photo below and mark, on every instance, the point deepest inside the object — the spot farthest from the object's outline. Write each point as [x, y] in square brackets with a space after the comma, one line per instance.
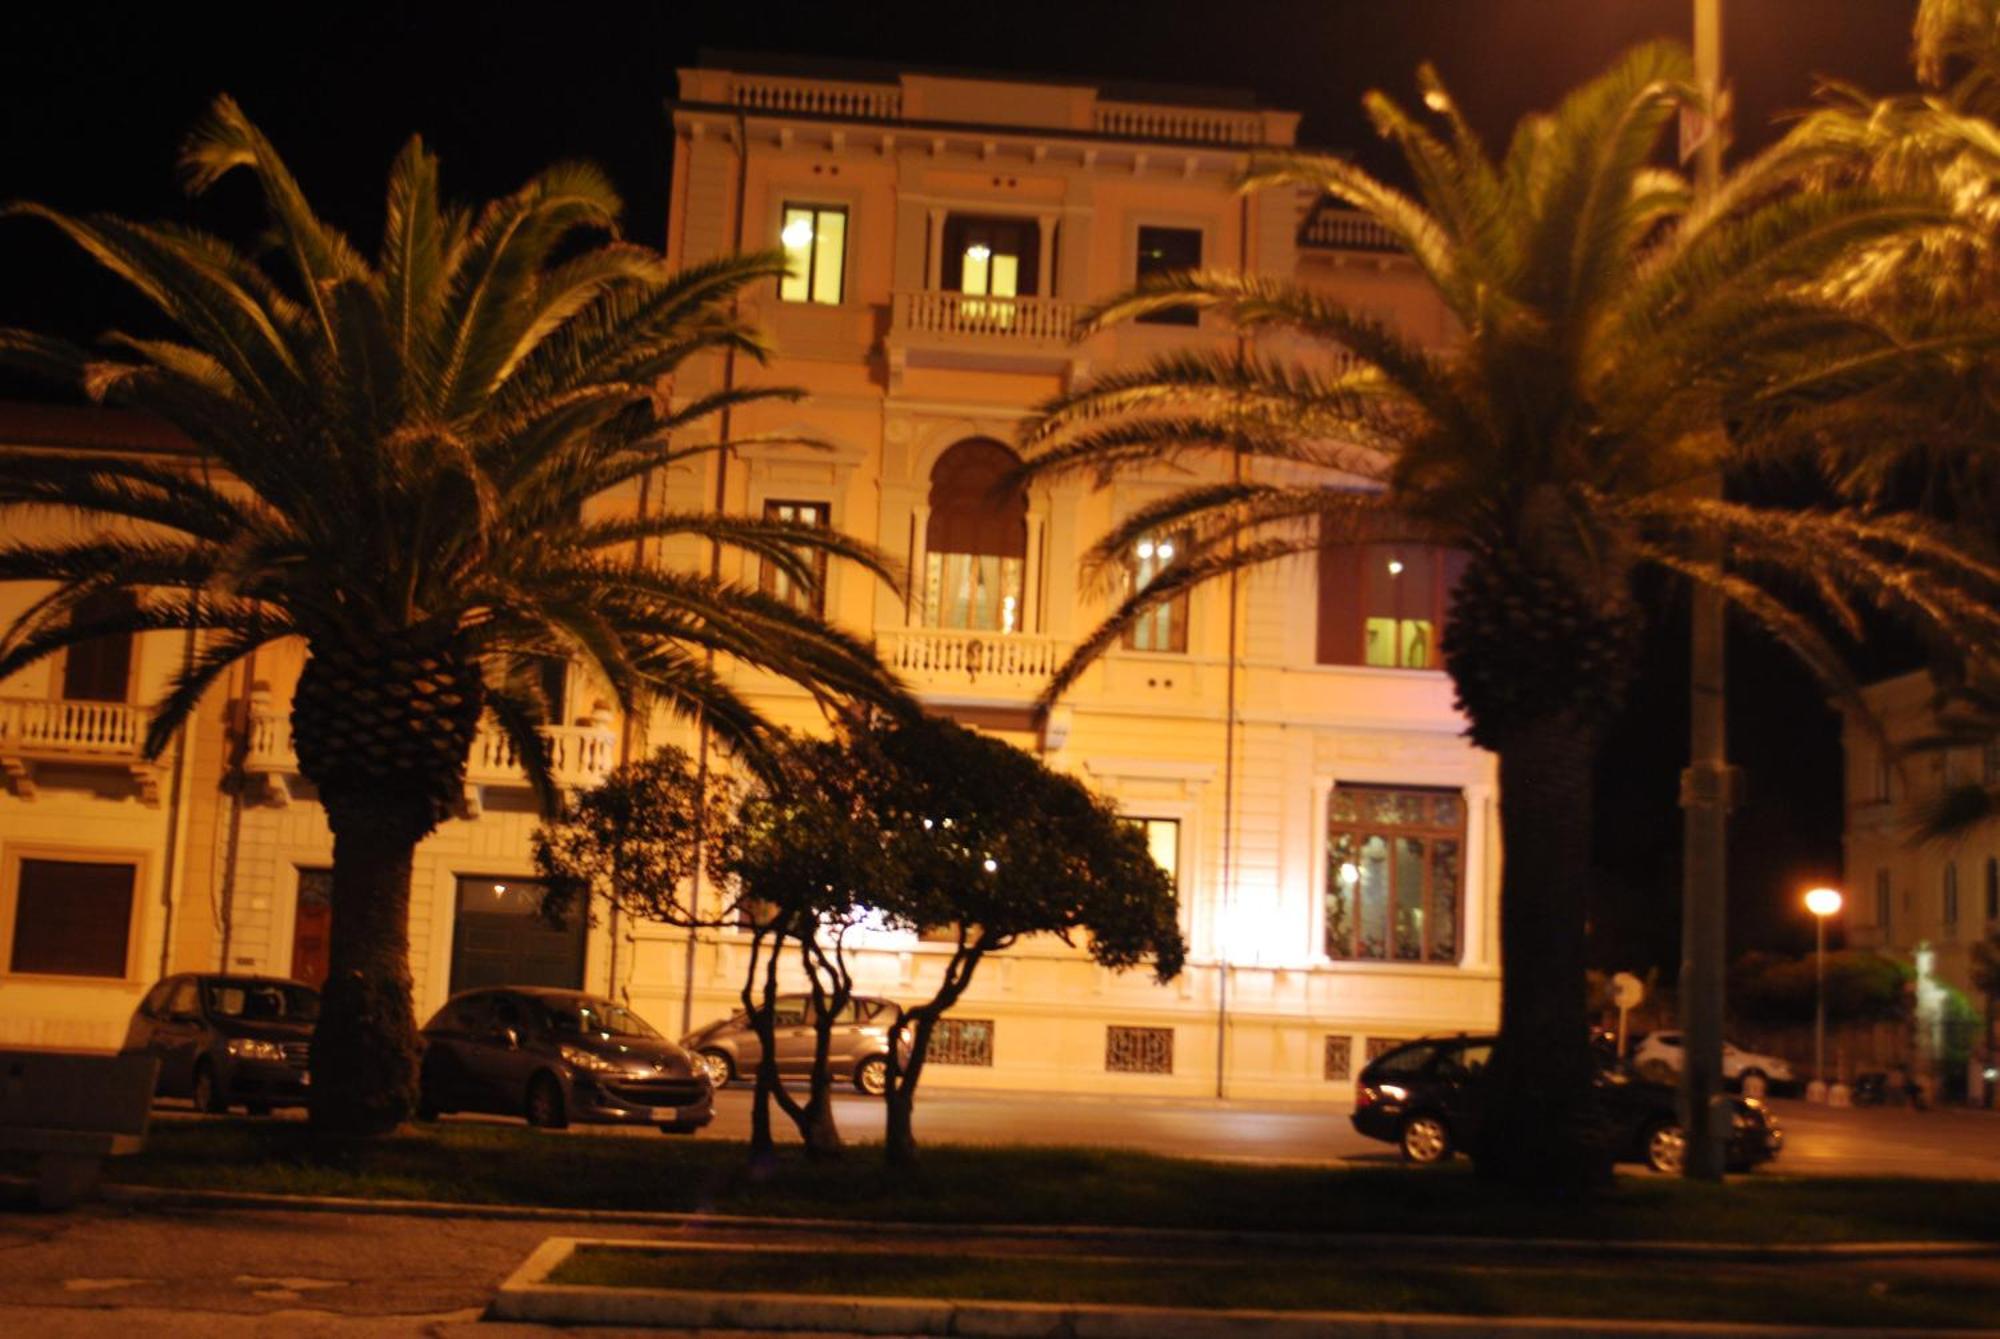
[556, 1056]
[859, 1049]
[1425, 1097]
[1662, 1054]
[228, 1040]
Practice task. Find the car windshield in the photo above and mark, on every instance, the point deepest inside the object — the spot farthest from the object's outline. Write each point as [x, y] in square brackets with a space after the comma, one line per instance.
[581, 1014]
[261, 1001]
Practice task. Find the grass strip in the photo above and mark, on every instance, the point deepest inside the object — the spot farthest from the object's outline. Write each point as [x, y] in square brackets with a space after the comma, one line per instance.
[476, 1163]
[1868, 1297]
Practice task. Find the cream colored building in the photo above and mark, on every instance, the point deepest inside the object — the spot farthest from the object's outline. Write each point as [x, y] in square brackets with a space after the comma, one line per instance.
[1925, 902]
[1290, 745]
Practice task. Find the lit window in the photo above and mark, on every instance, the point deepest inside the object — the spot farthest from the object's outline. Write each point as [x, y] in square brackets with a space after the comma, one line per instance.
[1164, 626]
[1163, 839]
[1164, 251]
[776, 581]
[1384, 604]
[976, 541]
[72, 917]
[1395, 868]
[815, 242]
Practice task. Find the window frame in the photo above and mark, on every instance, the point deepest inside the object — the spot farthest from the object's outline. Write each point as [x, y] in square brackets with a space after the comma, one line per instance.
[1468, 872]
[786, 207]
[767, 575]
[1027, 275]
[1177, 609]
[12, 858]
[1182, 317]
[59, 677]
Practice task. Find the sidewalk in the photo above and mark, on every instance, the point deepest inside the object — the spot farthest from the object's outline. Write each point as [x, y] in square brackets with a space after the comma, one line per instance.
[129, 1270]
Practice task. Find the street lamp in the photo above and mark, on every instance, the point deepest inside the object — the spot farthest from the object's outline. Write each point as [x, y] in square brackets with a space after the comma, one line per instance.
[1821, 902]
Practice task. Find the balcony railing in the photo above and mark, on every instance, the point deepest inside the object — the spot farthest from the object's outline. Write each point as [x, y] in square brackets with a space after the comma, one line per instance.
[817, 97]
[1137, 120]
[60, 730]
[956, 658]
[1023, 322]
[579, 755]
[59, 727]
[1347, 230]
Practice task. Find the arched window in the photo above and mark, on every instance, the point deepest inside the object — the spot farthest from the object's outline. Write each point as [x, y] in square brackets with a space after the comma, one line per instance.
[976, 545]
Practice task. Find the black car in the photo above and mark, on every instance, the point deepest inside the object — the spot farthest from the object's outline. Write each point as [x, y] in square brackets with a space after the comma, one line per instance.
[1425, 1098]
[556, 1056]
[228, 1040]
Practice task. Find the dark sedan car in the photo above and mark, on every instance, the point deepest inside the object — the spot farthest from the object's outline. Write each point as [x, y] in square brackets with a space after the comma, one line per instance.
[1425, 1098]
[228, 1040]
[556, 1056]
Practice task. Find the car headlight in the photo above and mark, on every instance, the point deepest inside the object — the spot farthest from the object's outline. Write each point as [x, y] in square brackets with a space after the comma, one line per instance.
[589, 1061]
[249, 1048]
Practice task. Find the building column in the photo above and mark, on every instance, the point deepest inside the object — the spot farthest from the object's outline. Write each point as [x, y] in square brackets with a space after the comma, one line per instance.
[1031, 576]
[934, 253]
[915, 612]
[1045, 262]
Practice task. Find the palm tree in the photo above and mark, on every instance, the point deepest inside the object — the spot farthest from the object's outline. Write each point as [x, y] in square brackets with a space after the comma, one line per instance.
[1610, 321]
[410, 445]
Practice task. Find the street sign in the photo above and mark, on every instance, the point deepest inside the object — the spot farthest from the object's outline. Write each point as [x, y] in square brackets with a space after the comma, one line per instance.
[1626, 992]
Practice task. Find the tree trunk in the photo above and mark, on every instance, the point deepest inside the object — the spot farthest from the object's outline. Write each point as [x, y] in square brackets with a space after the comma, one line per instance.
[1539, 1128]
[365, 1046]
[900, 1137]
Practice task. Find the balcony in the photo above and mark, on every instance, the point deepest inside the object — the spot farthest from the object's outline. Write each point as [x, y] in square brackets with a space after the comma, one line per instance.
[579, 755]
[67, 732]
[955, 661]
[935, 328]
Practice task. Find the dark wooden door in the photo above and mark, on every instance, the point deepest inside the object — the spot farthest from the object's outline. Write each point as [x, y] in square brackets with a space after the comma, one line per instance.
[312, 926]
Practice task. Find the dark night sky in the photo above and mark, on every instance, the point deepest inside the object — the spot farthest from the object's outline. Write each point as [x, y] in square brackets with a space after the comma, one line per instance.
[94, 98]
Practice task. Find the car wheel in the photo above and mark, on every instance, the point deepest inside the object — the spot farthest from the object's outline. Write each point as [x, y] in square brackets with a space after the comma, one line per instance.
[1425, 1140]
[208, 1095]
[545, 1103]
[871, 1076]
[679, 1129]
[720, 1069]
[1666, 1148]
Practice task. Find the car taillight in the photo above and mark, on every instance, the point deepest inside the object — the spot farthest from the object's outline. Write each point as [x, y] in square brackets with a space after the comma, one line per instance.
[1364, 1096]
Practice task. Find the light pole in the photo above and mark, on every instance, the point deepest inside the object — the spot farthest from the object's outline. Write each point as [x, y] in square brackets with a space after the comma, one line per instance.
[1822, 903]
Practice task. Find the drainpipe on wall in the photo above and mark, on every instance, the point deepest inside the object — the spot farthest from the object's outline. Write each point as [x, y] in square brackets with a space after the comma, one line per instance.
[1229, 727]
[715, 570]
[626, 730]
[177, 790]
[233, 835]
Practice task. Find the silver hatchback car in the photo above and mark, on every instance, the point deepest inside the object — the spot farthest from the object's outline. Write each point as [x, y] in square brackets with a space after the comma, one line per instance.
[859, 1052]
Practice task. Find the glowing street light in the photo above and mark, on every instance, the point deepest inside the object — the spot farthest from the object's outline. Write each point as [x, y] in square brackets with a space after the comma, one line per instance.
[1822, 903]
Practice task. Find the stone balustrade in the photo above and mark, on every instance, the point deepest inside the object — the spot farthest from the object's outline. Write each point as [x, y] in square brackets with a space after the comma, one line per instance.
[955, 658]
[1140, 120]
[579, 755]
[66, 730]
[1347, 230]
[817, 97]
[1023, 321]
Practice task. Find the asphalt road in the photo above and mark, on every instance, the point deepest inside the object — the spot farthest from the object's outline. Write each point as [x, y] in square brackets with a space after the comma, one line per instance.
[1819, 1141]
[1946, 1144]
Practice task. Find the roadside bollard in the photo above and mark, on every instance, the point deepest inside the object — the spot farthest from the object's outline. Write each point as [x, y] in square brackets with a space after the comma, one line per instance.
[1839, 1095]
[1816, 1091]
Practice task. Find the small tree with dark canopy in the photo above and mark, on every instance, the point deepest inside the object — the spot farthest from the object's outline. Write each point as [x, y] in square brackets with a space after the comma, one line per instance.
[983, 838]
[807, 856]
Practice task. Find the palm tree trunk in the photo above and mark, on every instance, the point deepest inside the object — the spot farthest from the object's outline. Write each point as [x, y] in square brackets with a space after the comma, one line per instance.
[365, 1047]
[1538, 1129]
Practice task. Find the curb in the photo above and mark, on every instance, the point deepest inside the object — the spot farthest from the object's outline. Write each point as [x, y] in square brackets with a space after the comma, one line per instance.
[1721, 1252]
[527, 1296]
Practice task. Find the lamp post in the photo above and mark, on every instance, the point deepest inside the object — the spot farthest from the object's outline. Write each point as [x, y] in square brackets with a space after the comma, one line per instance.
[1822, 903]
